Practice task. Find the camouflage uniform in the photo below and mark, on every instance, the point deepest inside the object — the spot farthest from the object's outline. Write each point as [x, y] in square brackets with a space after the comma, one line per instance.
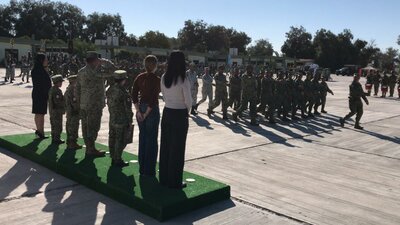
[194, 88]
[309, 94]
[324, 89]
[376, 81]
[392, 84]
[249, 84]
[267, 97]
[56, 109]
[91, 96]
[316, 87]
[384, 85]
[355, 103]
[282, 98]
[221, 94]
[207, 91]
[72, 109]
[235, 88]
[292, 91]
[299, 97]
[120, 107]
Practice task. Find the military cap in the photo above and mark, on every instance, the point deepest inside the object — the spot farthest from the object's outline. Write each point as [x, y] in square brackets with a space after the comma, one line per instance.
[57, 78]
[72, 77]
[120, 74]
[92, 55]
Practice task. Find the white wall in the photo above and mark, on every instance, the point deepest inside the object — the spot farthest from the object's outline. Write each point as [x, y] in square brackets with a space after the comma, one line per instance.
[22, 49]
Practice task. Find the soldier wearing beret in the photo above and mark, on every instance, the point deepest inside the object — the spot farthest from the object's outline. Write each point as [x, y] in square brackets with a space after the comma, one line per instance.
[120, 107]
[56, 109]
[91, 97]
[72, 109]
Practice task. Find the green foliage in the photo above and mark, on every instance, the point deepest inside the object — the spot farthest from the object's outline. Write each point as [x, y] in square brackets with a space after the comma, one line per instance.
[199, 36]
[298, 44]
[261, 48]
[101, 25]
[82, 46]
[127, 55]
[154, 39]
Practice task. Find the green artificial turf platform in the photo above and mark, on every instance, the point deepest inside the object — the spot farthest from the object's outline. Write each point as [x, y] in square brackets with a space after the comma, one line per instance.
[124, 185]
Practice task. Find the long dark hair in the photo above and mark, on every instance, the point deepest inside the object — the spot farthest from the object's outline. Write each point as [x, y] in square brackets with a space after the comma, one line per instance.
[39, 59]
[176, 68]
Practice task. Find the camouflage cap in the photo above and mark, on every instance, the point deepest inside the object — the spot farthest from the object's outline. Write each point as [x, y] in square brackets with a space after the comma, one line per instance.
[120, 74]
[72, 77]
[57, 78]
[92, 55]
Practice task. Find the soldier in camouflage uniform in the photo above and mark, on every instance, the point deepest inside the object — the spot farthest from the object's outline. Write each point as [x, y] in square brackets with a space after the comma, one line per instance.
[91, 95]
[309, 94]
[282, 97]
[355, 103]
[249, 84]
[299, 96]
[376, 81]
[120, 107]
[316, 87]
[235, 88]
[398, 86]
[56, 109]
[324, 89]
[384, 84]
[392, 83]
[267, 97]
[72, 108]
[206, 90]
[194, 86]
[221, 94]
[292, 89]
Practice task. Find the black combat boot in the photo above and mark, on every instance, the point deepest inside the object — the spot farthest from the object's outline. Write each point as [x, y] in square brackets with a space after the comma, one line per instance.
[193, 111]
[225, 116]
[341, 121]
[254, 122]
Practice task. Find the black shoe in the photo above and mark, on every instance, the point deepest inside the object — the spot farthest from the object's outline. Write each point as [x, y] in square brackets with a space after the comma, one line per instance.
[57, 142]
[196, 106]
[295, 118]
[40, 135]
[183, 185]
[254, 123]
[323, 111]
[193, 111]
[225, 116]
[303, 116]
[317, 113]
[310, 115]
[358, 127]
[341, 121]
[285, 119]
[119, 163]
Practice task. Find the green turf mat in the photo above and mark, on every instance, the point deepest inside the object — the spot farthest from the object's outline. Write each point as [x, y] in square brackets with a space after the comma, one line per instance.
[124, 185]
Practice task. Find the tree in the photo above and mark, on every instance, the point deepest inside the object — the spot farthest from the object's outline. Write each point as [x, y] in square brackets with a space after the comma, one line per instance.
[101, 25]
[386, 59]
[36, 18]
[129, 40]
[238, 40]
[8, 16]
[325, 45]
[217, 39]
[154, 39]
[82, 46]
[261, 48]
[298, 43]
[69, 21]
[192, 36]
[398, 40]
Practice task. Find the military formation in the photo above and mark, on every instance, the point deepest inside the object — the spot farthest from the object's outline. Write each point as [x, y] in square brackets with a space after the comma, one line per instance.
[272, 95]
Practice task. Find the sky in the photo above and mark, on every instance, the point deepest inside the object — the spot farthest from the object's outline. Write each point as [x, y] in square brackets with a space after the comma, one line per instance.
[377, 20]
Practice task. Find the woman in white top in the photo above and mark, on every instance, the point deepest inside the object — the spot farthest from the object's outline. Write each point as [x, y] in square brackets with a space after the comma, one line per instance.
[175, 88]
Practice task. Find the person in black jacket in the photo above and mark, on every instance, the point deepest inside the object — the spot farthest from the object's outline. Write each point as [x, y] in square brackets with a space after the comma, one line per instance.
[40, 92]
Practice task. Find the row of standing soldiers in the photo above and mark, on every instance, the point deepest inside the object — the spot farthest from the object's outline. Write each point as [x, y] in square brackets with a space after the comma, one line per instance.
[286, 94]
[387, 82]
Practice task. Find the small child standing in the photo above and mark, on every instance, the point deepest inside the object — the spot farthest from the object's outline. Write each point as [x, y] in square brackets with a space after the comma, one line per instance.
[56, 109]
[119, 104]
[72, 109]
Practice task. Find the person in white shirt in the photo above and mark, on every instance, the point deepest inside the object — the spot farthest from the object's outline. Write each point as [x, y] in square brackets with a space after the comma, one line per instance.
[176, 91]
[194, 86]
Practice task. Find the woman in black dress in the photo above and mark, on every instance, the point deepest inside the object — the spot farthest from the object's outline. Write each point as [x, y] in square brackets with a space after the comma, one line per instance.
[40, 93]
